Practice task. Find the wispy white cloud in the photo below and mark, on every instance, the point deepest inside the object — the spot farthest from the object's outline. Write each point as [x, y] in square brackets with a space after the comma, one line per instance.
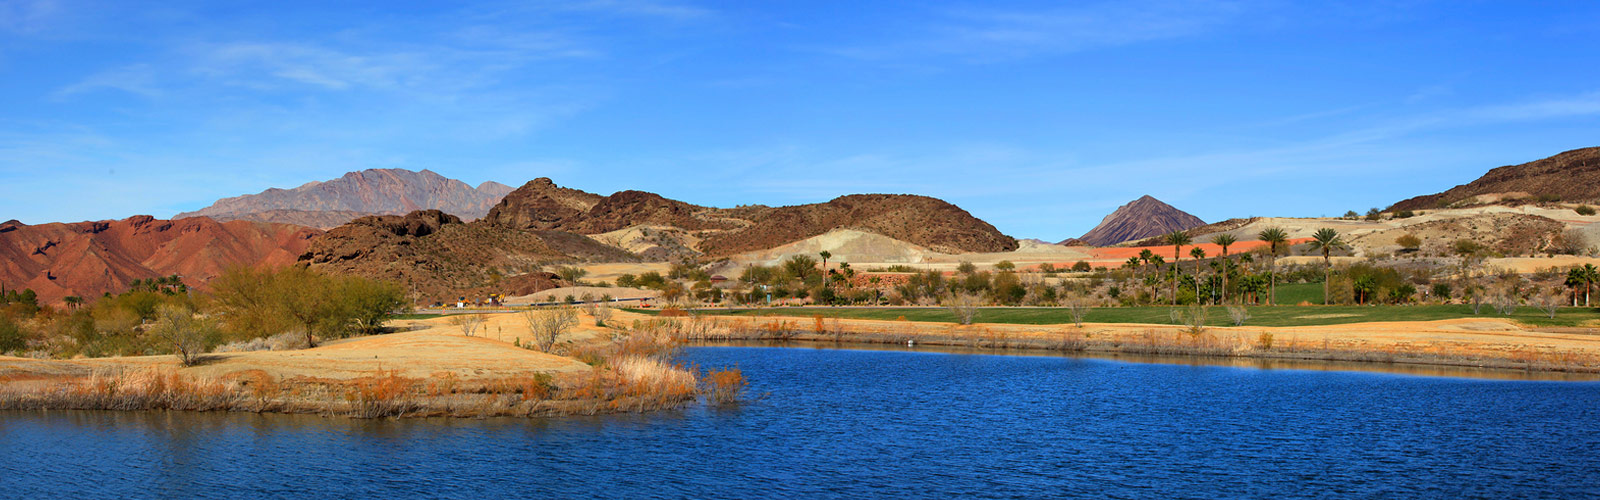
[136, 79]
[990, 34]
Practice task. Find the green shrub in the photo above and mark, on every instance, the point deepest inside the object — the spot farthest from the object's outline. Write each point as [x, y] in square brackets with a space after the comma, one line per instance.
[1584, 210]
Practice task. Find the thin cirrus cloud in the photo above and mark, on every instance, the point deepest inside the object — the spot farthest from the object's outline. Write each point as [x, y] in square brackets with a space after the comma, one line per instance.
[990, 35]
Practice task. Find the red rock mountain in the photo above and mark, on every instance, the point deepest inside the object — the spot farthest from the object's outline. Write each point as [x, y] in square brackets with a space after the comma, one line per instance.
[1141, 218]
[368, 192]
[925, 221]
[1572, 176]
[88, 259]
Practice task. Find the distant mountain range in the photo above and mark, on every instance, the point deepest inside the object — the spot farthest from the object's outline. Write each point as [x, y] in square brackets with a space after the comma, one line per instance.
[368, 192]
[1139, 219]
[541, 223]
[1572, 176]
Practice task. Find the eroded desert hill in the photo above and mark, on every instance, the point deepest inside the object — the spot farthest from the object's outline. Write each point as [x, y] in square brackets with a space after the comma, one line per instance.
[88, 259]
[1572, 176]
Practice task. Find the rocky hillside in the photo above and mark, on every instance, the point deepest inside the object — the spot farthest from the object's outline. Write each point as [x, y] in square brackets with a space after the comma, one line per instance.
[88, 259]
[368, 192]
[438, 256]
[920, 220]
[1141, 218]
[1571, 176]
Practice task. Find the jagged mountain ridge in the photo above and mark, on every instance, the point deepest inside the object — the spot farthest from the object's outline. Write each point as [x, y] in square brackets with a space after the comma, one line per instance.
[1139, 219]
[330, 203]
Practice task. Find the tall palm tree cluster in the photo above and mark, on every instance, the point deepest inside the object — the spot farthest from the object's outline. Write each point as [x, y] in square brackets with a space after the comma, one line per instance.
[1225, 270]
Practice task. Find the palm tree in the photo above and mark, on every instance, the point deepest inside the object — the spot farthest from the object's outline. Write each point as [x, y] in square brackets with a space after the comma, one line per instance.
[1157, 262]
[1327, 240]
[1575, 278]
[1274, 237]
[1178, 239]
[1224, 240]
[825, 254]
[1198, 254]
[1589, 274]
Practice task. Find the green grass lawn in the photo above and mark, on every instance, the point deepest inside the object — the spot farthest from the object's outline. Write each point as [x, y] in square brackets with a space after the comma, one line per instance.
[1295, 293]
[1260, 315]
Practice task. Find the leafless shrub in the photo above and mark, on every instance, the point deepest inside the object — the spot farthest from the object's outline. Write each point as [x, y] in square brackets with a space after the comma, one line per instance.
[1193, 318]
[280, 342]
[547, 325]
[1078, 306]
[964, 305]
[468, 323]
[1238, 314]
[1549, 301]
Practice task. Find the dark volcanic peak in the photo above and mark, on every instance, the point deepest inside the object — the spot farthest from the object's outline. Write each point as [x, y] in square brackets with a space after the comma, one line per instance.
[367, 192]
[1570, 176]
[1141, 218]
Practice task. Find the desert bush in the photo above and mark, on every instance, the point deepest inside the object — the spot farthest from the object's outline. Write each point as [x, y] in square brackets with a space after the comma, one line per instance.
[1584, 210]
[1193, 318]
[1078, 306]
[280, 342]
[270, 301]
[12, 338]
[547, 325]
[964, 306]
[1238, 314]
[188, 335]
[468, 323]
[725, 386]
[1549, 301]
[1264, 341]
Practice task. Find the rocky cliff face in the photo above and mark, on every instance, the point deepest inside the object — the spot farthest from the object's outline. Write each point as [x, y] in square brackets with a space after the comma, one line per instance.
[88, 259]
[1572, 176]
[1141, 218]
[368, 192]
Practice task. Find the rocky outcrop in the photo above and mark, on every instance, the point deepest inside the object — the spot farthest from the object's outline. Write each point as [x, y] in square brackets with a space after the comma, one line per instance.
[1570, 176]
[438, 257]
[928, 222]
[1141, 218]
[921, 220]
[541, 204]
[87, 259]
[367, 192]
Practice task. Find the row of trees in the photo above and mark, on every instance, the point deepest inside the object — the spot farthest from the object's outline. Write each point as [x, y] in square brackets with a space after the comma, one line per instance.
[163, 316]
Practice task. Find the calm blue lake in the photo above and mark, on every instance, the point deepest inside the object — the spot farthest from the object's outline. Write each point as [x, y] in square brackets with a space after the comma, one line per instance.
[862, 423]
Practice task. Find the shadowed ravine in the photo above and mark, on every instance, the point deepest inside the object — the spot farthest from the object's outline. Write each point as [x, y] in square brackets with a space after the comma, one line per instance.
[850, 423]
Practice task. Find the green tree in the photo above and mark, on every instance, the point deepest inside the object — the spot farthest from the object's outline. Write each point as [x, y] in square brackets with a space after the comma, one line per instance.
[571, 274]
[1224, 240]
[188, 335]
[966, 268]
[1005, 265]
[1178, 240]
[1326, 240]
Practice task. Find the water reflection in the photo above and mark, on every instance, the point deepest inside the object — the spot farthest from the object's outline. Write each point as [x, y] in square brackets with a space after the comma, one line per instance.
[1399, 368]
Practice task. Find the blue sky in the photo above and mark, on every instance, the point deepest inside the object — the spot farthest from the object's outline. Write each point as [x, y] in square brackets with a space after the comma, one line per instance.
[1037, 117]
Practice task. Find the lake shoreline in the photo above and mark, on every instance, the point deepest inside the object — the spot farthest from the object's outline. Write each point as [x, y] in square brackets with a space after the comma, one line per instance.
[1477, 344]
